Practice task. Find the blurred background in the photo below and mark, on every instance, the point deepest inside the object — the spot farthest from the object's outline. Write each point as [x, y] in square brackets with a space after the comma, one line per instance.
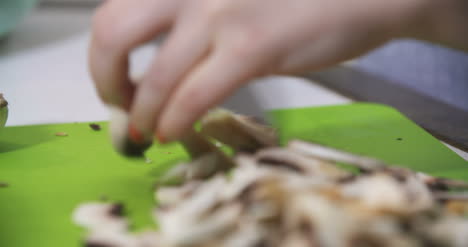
[44, 76]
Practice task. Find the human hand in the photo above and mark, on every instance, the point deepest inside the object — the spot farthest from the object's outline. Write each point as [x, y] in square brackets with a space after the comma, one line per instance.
[216, 46]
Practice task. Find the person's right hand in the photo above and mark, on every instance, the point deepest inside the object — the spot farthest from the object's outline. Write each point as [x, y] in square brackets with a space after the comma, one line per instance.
[216, 46]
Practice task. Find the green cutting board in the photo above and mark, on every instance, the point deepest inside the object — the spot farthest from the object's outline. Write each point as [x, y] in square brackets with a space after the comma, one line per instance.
[49, 175]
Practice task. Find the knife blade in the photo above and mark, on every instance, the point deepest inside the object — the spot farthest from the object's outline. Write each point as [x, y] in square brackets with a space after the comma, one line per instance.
[446, 122]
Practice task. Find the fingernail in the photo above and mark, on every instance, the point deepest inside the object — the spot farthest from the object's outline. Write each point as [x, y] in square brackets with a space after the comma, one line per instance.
[161, 139]
[135, 144]
[135, 135]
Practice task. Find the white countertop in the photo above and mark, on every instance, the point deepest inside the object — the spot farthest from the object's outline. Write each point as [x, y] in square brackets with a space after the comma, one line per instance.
[44, 75]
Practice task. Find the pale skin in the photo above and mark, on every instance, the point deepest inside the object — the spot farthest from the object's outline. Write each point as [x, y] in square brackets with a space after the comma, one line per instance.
[216, 46]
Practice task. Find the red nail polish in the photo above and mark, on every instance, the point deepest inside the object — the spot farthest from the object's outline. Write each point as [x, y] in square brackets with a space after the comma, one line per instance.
[135, 135]
[160, 137]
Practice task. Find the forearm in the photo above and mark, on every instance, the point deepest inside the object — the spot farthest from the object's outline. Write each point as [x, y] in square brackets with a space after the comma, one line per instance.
[444, 22]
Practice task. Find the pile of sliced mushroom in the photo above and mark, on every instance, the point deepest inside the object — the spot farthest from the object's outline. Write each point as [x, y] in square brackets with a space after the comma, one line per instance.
[292, 196]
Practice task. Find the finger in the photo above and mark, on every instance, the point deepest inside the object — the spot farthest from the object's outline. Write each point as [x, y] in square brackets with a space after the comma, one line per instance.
[187, 45]
[204, 88]
[120, 26]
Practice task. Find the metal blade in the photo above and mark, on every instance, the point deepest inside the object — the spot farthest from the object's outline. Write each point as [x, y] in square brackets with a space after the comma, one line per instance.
[442, 120]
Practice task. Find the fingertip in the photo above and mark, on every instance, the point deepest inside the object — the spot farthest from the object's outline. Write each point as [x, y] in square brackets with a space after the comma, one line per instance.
[134, 134]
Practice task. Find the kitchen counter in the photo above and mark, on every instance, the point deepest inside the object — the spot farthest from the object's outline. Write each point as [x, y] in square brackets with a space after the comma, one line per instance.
[44, 74]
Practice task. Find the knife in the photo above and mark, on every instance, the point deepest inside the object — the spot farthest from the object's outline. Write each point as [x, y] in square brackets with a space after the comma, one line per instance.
[446, 122]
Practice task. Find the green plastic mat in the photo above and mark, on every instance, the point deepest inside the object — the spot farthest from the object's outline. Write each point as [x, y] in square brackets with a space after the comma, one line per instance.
[49, 175]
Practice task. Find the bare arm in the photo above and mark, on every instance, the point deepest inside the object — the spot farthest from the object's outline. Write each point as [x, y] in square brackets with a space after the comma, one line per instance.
[442, 22]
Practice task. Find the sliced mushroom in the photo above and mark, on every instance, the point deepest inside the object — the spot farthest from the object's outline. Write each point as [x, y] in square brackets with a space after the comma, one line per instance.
[207, 160]
[170, 196]
[239, 132]
[193, 232]
[295, 161]
[101, 216]
[383, 193]
[197, 145]
[456, 206]
[443, 184]
[203, 167]
[334, 155]
[451, 196]
[447, 231]
[280, 197]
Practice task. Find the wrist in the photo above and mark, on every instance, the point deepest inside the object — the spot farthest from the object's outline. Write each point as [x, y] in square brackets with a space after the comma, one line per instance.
[440, 21]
